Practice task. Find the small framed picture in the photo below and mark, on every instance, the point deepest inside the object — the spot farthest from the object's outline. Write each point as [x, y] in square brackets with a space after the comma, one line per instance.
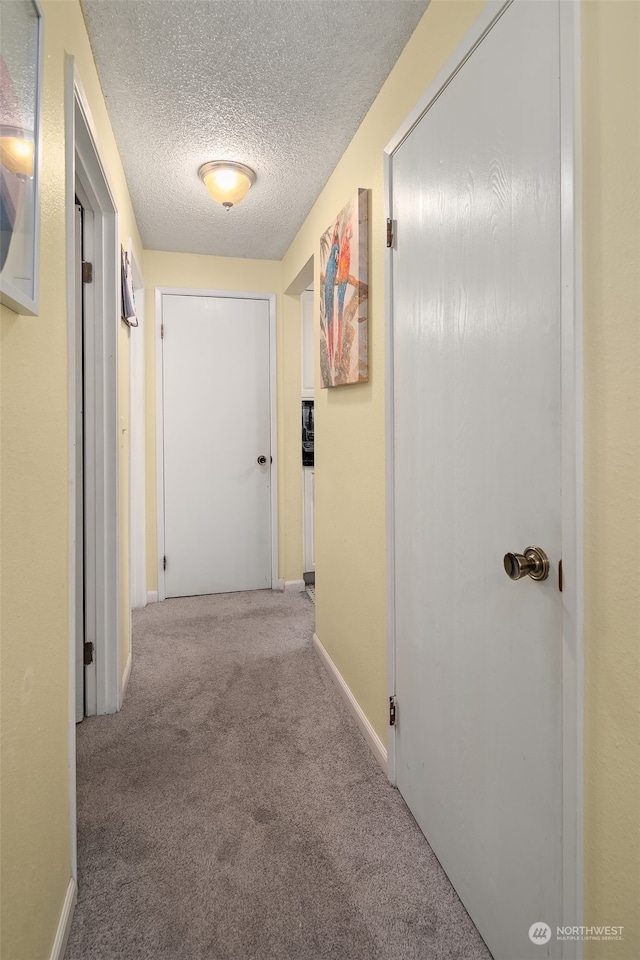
[21, 44]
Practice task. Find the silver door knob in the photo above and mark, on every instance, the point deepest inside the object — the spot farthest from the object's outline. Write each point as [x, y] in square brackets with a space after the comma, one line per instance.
[262, 460]
[532, 563]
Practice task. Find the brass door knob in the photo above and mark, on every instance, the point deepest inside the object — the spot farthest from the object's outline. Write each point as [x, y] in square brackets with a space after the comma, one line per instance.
[532, 563]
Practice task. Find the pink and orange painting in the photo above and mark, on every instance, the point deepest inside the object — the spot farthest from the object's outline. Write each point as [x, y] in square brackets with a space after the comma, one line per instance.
[344, 295]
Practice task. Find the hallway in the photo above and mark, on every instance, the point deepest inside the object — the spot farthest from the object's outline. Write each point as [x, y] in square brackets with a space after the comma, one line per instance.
[232, 809]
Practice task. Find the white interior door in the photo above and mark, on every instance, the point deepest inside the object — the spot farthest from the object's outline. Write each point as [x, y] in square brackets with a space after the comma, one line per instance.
[477, 468]
[138, 572]
[217, 486]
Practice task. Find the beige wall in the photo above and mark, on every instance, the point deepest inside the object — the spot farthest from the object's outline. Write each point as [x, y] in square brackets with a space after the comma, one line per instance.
[350, 546]
[611, 117]
[350, 536]
[34, 541]
[190, 271]
[349, 422]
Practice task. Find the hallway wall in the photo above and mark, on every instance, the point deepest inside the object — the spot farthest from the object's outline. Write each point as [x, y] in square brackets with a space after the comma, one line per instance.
[349, 439]
[350, 545]
[34, 591]
[350, 421]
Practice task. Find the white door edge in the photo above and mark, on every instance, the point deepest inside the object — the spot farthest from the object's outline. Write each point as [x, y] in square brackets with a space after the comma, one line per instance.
[137, 447]
[102, 538]
[390, 520]
[572, 465]
[84, 171]
[572, 433]
[69, 111]
[159, 445]
[161, 292]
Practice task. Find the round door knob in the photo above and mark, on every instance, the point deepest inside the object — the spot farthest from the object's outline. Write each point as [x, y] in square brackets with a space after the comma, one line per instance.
[532, 563]
[262, 460]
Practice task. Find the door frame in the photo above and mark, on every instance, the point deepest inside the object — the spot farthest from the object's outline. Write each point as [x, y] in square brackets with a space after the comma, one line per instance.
[137, 443]
[572, 430]
[161, 292]
[85, 176]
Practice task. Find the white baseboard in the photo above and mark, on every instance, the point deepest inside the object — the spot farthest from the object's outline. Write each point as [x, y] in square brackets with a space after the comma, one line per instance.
[377, 747]
[64, 925]
[290, 586]
[294, 586]
[152, 596]
[125, 678]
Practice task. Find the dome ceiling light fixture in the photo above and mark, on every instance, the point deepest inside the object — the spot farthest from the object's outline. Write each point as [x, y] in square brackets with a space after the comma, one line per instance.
[227, 182]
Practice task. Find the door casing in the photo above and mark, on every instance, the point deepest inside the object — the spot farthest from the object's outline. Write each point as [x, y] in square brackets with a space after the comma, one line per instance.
[86, 177]
[572, 431]
[102, 677]
[137, 459]
[222, 294]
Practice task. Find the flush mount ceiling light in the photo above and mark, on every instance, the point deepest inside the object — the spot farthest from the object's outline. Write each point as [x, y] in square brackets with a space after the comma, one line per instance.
[226, 181]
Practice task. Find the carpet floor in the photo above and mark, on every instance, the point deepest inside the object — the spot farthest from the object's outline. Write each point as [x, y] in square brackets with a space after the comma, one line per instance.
[232, 810]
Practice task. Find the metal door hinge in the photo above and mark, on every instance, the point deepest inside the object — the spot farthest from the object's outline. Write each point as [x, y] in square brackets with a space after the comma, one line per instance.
[164, 563]
[162, 331]
[87, 272]
[391, 233]
[560, 581]
[88, 653]
[393, 711]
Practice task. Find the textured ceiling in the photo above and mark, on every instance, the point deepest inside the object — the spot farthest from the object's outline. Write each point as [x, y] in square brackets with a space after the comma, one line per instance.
[280, 86]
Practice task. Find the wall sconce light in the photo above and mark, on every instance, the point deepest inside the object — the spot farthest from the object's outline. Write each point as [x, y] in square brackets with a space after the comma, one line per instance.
[226, 181]
[16, 152]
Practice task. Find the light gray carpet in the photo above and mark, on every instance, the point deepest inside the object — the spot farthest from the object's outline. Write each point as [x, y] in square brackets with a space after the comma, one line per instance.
[232, 810]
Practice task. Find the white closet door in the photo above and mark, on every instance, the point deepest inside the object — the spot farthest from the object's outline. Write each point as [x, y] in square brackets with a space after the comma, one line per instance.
[476, 326]
[217, 456]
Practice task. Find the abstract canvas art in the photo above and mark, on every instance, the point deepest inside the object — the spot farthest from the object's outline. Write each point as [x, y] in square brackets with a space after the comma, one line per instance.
[344, 296]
